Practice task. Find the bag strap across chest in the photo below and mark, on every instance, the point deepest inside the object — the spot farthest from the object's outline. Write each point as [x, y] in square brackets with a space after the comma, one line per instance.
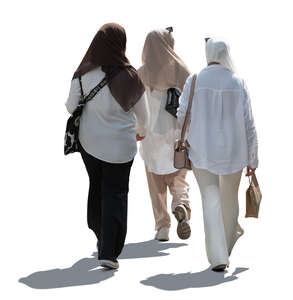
[93, 92]
[188, 112]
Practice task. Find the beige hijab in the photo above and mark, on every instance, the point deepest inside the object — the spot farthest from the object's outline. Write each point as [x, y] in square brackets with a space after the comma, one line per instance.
[162, 68]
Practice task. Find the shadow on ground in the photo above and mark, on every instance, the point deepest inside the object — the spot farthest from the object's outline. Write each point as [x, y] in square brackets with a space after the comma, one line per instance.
[146, 249]
[206, 278]
[86, 271]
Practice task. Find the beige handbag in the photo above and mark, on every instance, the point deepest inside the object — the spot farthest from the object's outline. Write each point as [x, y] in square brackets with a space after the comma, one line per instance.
[181, 160]
[253, 198]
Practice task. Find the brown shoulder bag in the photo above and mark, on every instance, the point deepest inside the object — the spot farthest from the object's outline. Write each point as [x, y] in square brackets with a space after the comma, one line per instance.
[181, 160]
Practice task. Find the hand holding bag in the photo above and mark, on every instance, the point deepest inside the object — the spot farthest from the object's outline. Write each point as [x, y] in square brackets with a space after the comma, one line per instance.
[253, 198]
[181, 160]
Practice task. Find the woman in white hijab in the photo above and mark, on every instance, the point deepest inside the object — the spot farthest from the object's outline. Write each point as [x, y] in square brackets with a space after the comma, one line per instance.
[163, 69]
[223, 141]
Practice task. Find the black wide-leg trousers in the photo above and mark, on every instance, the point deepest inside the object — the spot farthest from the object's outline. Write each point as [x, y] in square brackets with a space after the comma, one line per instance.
[107, 203]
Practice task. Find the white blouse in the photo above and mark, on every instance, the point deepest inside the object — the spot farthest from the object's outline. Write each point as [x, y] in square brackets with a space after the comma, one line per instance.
[222, 135]
[157, 149]
[106, 131]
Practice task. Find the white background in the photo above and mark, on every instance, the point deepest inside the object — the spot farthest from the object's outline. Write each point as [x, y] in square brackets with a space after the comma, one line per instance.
[44, 194]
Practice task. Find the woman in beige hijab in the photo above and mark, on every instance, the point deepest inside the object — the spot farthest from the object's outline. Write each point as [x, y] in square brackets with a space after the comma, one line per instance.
[163, 69]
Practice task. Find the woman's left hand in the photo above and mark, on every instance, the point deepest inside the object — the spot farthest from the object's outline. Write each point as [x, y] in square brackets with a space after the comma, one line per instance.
[249, 171]
[139, 138]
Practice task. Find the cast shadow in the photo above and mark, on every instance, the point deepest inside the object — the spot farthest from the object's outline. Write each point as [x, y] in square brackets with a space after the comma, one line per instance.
[146, 249]
[86, 271]
[206, 278]
[83, 272]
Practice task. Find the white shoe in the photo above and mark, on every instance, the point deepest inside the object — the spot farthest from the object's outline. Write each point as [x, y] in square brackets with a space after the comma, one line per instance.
[162, 234]
[183, 227]
[110, 264]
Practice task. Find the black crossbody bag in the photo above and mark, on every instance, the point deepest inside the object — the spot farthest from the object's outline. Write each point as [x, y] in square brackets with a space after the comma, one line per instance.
[72, 127]
[172, 103]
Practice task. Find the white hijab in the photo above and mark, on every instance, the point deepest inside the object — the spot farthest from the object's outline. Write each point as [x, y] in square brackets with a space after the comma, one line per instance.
[219, 51]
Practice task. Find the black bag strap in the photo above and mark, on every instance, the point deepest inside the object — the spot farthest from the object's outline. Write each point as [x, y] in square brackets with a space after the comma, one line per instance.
[81, 89]
[93, 92]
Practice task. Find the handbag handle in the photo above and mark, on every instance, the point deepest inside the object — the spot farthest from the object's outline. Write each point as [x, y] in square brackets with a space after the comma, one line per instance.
[252, 178]
[187, 116]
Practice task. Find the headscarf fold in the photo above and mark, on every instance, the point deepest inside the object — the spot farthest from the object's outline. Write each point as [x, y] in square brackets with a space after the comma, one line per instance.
[162, 68]
[108, 51]
[218, 51]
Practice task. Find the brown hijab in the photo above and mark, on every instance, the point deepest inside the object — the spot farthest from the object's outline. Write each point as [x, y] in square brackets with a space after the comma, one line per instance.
[162, 68]
[108, 51]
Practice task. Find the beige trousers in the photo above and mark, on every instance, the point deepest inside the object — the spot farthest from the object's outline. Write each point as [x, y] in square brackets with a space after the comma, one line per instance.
[178, 188]
[220, 211]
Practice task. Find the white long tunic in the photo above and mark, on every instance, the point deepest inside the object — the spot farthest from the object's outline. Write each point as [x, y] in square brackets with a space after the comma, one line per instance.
[157, 149]
[222, 134]
[106, 131]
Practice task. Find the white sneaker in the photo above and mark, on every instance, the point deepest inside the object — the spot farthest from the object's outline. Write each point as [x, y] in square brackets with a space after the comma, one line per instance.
[183, 227]
[162, 234]
[110, 264]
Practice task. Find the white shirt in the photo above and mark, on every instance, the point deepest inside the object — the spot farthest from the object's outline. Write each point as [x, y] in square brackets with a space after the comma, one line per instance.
[106, 131]
[157, 149]
[222, 134]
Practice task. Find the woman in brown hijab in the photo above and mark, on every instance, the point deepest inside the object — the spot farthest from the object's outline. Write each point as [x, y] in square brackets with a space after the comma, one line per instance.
[107, 135]
[163, 69]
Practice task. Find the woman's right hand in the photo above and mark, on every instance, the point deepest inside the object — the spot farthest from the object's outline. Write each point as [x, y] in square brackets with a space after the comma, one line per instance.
[249, 171]
[139, 138]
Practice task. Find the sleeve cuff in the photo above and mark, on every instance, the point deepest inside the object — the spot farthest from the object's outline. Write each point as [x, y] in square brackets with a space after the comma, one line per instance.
[141, 131]
[253, 159]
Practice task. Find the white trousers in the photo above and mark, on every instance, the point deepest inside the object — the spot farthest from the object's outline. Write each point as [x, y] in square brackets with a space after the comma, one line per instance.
[220, 212]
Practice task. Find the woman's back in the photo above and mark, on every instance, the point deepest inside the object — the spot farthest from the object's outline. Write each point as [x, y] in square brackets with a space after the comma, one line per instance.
[218, 78]
[106, 130]
[157, 148]
[219, 127]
